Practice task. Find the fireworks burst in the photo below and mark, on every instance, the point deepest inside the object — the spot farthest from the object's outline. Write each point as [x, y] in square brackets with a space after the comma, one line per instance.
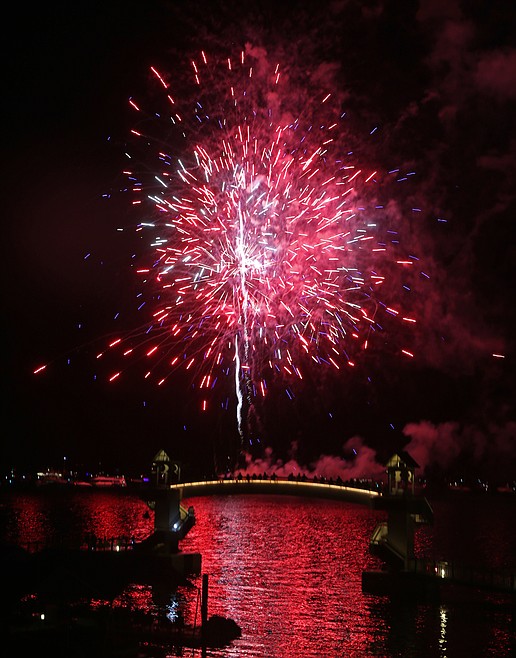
[264, 260]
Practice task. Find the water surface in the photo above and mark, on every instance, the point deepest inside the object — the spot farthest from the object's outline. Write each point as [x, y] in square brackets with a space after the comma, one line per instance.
[288, 571]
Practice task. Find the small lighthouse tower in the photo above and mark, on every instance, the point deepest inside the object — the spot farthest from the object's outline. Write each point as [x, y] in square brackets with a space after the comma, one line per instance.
[393, 540]
[171, 520]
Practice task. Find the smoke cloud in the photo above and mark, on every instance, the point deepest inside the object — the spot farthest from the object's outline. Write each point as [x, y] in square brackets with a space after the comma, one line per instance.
[462, 448]
[361, 462]
[446, 448]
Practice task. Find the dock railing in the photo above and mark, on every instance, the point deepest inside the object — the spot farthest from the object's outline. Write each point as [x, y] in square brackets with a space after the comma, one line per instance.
[91, 543]
[502, 580]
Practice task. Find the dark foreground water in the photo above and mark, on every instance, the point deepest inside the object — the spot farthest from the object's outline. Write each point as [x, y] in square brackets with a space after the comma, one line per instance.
[288, 571]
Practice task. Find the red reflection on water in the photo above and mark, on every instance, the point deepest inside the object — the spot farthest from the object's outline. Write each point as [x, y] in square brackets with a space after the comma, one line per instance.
[136, 597]
[29, 520]
[103, 516]
[288, 571]
[276, 564]
[68, 515]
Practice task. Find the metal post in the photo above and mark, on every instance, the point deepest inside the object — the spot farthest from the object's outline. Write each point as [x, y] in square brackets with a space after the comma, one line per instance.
[204, 599]
[204, 613]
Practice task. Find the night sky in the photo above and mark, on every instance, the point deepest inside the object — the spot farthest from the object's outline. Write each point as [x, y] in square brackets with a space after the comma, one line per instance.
[436, 78]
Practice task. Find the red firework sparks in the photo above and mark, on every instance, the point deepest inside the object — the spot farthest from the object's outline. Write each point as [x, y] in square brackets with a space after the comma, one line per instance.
[264, 260]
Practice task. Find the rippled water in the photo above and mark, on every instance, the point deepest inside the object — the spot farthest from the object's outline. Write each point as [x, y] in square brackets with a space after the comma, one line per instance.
[288, 571]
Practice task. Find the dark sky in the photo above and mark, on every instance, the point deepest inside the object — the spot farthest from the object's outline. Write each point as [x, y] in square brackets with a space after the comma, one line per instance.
[437, 77]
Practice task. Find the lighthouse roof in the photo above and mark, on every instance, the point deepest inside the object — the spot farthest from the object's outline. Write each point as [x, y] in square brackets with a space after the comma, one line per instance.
[402, 458]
